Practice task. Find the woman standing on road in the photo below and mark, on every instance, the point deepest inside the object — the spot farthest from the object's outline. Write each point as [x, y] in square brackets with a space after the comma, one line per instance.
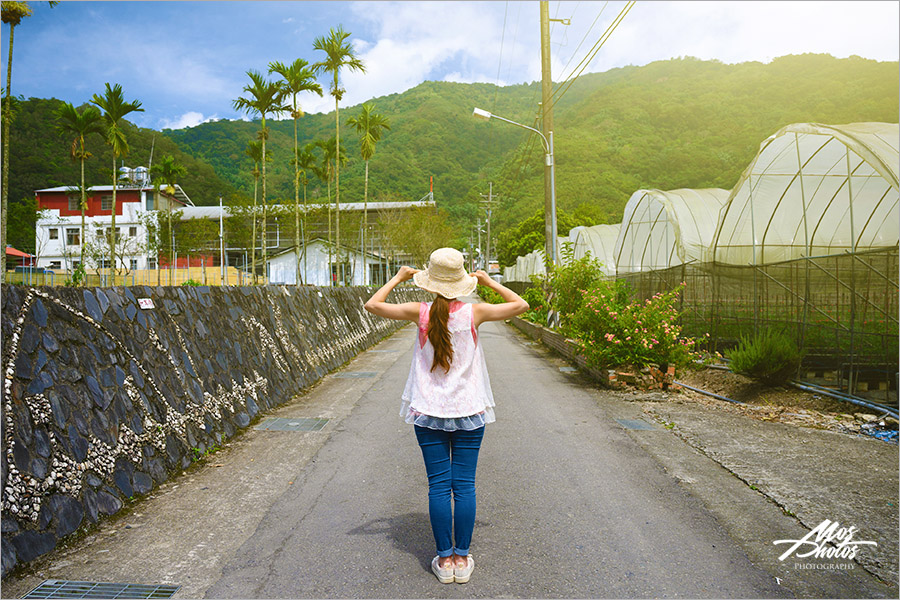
[448, 395]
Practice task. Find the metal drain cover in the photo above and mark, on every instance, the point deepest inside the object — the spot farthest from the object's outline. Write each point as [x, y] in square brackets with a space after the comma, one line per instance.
[635, 424]
[355, 374]
[59, 588]
[289, 424]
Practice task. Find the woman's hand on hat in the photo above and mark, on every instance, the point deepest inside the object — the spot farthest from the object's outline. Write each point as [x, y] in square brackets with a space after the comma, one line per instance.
[482, 277]
[405, 273]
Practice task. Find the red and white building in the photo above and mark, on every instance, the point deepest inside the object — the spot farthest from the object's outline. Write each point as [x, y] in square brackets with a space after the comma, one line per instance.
[58, 236]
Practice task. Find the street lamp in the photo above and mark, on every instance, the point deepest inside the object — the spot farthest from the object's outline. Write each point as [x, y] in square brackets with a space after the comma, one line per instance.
[548, 161]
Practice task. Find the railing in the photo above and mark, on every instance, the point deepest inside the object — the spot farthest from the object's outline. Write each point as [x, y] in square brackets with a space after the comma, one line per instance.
[152, 277]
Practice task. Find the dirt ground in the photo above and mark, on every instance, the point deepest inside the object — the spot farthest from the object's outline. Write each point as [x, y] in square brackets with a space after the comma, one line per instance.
[784, 404]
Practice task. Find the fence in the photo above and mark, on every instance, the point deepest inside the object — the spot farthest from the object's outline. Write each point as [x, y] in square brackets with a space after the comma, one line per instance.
[152, 277]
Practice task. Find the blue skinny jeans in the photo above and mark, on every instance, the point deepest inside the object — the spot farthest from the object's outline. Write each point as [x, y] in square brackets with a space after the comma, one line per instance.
[450, 461]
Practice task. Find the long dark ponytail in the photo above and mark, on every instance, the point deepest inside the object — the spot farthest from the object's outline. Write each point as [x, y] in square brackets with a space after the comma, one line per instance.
[439, 333]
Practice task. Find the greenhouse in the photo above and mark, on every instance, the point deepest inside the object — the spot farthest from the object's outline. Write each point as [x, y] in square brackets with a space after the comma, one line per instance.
[813, 190]
[664, 229]
[597, 242]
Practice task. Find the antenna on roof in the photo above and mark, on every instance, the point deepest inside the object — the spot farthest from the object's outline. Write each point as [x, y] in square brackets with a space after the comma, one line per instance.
[150, 164]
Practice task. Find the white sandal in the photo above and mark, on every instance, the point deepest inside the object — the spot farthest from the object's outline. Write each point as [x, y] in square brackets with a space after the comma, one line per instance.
[443, 575]
[462, 575]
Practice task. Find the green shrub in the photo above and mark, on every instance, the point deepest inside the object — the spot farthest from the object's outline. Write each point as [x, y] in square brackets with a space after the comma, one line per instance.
[770, 356]
[537, 305]
[612, 329]
[489, 295]
[569, 283]
[192, 282]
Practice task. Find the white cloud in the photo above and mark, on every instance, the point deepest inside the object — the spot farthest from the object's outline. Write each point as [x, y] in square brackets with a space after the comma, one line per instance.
[188, 119]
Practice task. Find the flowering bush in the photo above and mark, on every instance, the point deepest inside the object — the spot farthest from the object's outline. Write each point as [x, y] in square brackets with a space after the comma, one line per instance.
[537, 311]
[612, 329]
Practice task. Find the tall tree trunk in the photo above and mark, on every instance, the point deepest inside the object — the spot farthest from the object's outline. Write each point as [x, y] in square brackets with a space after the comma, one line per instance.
[296, 202]
[365, 223]
[7, 123]
[265, 240]
[305, 233]
[83, 202]
[253, 241]
[112, 236]
[337, 177]
[330, 247]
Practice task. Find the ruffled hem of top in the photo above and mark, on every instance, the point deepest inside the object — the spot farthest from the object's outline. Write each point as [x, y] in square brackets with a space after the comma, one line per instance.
[467, 423]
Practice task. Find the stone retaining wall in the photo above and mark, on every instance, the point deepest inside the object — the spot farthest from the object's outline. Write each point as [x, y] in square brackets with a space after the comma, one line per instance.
[103, 399]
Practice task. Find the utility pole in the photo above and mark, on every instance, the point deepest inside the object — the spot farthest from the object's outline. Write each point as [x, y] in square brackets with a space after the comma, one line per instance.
[478, 227]
[547, 126]
[488, 205]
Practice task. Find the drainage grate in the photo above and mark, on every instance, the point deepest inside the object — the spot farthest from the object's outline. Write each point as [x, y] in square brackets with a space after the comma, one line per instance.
[568, 369]
[58, 588]
[355, 374]
[635, 424]
[289, 424]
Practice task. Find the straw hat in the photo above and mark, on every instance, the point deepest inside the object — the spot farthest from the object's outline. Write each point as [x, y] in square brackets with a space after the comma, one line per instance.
[446, 275]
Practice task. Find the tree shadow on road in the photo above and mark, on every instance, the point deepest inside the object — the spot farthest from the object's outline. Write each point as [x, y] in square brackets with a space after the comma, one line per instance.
[410, 532]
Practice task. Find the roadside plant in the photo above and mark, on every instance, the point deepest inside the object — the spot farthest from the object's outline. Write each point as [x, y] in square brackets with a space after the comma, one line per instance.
[770, 356]
[569, 282]
[538, 306]
[612, 329]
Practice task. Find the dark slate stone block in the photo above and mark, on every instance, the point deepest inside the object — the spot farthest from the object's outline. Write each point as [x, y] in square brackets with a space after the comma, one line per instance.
[92, 510]
[123, 482]
[92, 307]
[137, 426]
[108, 504]
[39, 468]
[70, 374]
[252, 408]
[242, 419]
[107, 342]
[8, 559]
[60, 412]
[30, 338]
[41, 443]
[136, 374]
[92, 480]
[222, 360]
[68, 513]
[103, 300]
[78, 445]
[39, 312]
[21, 455]
[157, 470]
[9, 526]
[44, 517]
[81, 423]
[173, 450]
[40, 360]
[37, 385]
[107, 377]
[120, 375]
[130, 312]
[24, 366]
[31, 544]
[142, 483]
[95, 392]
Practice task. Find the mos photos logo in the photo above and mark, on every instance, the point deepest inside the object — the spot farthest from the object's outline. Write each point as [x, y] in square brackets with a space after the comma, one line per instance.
[827, 540]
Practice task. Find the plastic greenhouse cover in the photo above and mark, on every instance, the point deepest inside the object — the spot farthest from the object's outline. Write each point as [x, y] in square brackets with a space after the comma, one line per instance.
[665, 229]
[598, 241]
[813, 190]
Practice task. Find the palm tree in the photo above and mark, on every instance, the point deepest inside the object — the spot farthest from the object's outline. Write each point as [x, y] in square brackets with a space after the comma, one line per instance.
[79, 125]
[114, 108]
[326, 171]
[12, 14]
[339, 53]
[369, 126]
[306, 162]
[254, 151]
[296, 78]
[167, 171]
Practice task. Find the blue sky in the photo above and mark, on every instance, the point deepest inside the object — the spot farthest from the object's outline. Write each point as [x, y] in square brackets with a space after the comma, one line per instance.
[186, 61]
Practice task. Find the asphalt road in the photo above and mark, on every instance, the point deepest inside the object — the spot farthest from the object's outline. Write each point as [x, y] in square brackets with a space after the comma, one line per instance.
[569, 504]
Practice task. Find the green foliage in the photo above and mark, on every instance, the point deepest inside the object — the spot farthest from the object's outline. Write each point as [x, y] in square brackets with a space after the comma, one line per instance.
[538, 306]
[192, 283]
[612, 328]
[528, 235]
[770, 356]
[569, 283]
[489, 295]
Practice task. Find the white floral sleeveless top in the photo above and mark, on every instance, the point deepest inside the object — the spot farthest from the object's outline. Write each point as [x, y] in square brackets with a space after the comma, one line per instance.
[460, 398]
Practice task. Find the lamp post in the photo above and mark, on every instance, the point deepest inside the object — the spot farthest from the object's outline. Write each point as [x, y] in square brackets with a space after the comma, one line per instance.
[548, 161]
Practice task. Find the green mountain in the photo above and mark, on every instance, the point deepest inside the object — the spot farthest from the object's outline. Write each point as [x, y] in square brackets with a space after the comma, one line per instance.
[670, 124]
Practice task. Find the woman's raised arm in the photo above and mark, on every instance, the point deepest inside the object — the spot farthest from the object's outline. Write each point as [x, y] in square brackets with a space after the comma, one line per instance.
[513, 306]
[408, 311]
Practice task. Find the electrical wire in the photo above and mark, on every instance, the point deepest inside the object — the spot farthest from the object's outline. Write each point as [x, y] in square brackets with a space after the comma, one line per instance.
[574, 52]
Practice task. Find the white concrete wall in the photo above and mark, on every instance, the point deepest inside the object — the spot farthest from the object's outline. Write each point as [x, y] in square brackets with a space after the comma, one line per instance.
[316, 270]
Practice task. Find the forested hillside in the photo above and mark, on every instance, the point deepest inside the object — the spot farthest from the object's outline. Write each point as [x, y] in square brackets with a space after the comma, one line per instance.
[669, 124]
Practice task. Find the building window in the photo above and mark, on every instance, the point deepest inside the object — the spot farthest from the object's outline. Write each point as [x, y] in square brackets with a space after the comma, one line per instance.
[54, 233]
[74, 202]
[73, 237]
[103, 263]
[133, 264]
[340, 273]
[55, 264]
[109, 235]
[132, 231]
[151, 263]
[150, 200]
[106, 202]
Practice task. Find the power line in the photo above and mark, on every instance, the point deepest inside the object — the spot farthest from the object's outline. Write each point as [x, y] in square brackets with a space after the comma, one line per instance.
[571, 58]
[564, 87]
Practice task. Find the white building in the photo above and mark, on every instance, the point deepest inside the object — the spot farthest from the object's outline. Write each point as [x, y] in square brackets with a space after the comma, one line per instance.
[317, 267]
